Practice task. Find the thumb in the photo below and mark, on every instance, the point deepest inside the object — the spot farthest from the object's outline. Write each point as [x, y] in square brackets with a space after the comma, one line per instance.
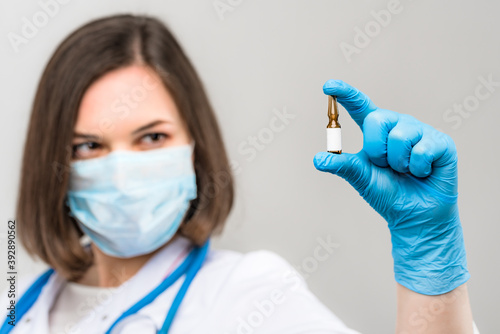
[351, 167]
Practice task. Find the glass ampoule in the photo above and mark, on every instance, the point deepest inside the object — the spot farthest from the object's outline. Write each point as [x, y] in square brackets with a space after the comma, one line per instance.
[333, 130]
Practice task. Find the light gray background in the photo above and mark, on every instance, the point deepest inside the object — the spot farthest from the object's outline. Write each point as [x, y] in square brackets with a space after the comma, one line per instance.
[268, 55]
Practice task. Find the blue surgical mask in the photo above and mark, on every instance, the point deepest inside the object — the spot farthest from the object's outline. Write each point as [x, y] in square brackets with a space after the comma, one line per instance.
[131, 203]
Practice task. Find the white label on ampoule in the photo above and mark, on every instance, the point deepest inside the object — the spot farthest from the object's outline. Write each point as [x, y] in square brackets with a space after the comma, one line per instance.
[333, 139]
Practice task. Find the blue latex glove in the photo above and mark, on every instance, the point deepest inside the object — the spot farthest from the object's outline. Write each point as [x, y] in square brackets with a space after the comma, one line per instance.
[407, 171]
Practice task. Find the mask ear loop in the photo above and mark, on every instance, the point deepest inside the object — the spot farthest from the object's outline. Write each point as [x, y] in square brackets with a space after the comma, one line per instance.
[72, 218]
[84, 240]
[192, 145]
[193, 204]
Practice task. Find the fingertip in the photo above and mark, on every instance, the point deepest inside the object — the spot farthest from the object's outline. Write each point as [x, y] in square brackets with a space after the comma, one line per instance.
[320, 160]
[419, 165]
[421, 171]
[332, 86]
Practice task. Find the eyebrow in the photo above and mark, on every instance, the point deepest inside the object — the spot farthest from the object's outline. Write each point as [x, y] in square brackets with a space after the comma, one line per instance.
[149, 125]
[86, 136]
[142, 128]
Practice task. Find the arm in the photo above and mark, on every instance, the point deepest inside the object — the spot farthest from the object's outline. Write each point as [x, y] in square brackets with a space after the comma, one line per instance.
[446, 313]
[407, 172]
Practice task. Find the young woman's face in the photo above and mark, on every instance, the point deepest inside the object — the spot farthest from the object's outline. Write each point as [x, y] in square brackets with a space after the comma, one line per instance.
[127, 109]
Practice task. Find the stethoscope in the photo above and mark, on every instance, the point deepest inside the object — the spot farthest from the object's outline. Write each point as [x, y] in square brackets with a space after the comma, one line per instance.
[189, 267]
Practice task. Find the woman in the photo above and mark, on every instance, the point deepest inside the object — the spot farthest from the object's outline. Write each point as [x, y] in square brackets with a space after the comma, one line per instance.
[123, 149]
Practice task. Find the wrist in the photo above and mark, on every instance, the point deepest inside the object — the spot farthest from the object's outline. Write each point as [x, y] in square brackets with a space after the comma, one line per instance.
[432, 262]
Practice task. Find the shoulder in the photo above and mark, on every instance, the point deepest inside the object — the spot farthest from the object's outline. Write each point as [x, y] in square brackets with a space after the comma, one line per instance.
[239, 270]
[260, 289]
[16, 286]
[252, 263]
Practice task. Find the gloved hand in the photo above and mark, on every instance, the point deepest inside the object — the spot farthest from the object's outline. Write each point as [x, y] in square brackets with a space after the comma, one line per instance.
[407, 171]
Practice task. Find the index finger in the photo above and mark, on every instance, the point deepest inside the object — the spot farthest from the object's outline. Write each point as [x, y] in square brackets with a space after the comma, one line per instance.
[354, 101]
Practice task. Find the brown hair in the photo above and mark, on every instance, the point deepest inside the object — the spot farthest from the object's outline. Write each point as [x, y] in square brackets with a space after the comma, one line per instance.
[45, 227]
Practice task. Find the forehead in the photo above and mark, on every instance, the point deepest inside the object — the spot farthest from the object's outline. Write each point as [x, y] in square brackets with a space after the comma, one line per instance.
[126, 96]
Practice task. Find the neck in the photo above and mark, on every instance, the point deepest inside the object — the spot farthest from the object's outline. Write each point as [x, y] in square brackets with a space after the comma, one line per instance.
[110, 271]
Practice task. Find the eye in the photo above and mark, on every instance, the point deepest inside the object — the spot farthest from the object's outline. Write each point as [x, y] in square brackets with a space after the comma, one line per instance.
[152, 140]
[86, 150]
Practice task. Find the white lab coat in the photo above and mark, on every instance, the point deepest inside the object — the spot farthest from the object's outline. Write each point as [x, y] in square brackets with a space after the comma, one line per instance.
[236, 293]
[233, 293]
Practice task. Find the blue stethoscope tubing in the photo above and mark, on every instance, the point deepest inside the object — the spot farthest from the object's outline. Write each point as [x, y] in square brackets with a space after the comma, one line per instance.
[190, 267]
